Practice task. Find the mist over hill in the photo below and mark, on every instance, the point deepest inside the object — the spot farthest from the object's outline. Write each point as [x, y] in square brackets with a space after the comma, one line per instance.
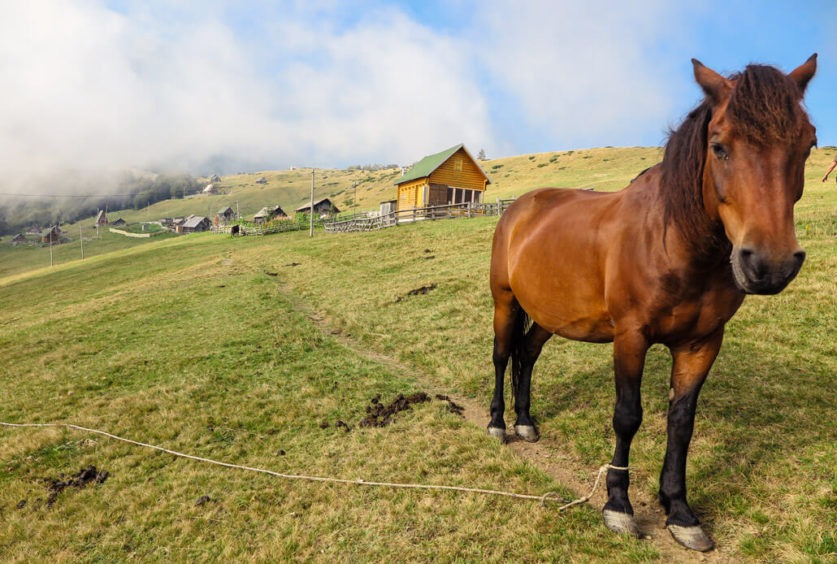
[72, 195]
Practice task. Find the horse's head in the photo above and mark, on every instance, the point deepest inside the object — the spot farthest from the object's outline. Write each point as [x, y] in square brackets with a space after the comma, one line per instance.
[758, 139]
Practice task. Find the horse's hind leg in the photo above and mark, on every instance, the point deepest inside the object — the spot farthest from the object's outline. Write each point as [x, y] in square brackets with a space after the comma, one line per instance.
[506, 312]
[528, 352]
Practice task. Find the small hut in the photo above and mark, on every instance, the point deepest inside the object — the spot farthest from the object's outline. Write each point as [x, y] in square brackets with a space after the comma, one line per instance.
[269, 213]
[226, 215]
[51, 235]
[194, 223]
[102, 218]
[322, 208]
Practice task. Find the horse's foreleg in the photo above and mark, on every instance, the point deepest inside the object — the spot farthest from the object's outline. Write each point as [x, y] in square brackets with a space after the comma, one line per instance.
[529, 352]
[629, 351]
[690, 367]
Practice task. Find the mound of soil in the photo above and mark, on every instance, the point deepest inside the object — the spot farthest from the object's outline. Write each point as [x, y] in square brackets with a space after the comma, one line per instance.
[79, 480]
[417, 291]
[452, 407]
[380, 415]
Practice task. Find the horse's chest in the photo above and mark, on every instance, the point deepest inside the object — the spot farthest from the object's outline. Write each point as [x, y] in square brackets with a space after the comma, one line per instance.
[694, 318]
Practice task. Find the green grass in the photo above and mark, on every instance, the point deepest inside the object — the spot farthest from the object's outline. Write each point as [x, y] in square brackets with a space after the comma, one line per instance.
[239, 349]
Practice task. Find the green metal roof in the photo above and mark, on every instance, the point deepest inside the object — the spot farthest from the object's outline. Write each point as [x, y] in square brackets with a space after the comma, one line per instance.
[428, 164]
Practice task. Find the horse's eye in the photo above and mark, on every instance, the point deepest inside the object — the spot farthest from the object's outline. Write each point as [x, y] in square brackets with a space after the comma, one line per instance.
[720, 152]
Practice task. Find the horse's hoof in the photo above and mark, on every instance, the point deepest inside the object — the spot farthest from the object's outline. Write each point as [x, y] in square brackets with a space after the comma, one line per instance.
[692, 537]
[620, 523]
[498, 433]
[528, 433]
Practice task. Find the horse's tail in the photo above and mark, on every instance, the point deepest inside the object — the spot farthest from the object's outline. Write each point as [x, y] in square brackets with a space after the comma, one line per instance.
[521, 326]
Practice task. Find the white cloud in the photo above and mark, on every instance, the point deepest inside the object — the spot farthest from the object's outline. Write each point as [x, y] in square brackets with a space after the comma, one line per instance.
[584, 71]
[88, 87]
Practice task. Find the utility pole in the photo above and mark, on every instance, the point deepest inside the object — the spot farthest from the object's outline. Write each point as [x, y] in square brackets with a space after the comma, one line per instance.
[81, 241]
[311, 222]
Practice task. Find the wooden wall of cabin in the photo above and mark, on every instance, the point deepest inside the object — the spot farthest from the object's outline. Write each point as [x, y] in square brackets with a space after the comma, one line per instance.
[460, 171]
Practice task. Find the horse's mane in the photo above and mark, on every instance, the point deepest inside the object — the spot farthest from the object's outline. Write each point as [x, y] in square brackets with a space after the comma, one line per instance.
[764, 108]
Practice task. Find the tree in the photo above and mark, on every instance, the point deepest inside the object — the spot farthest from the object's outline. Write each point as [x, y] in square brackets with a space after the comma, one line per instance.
[481, 155]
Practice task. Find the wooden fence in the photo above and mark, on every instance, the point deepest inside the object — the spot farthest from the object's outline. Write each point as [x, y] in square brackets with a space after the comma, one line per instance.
[373, 221]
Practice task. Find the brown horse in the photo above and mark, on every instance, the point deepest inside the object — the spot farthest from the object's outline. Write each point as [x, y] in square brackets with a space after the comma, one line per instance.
[667, 260]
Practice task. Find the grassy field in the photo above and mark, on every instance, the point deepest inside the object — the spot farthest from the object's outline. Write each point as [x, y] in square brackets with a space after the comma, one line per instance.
[250, 350]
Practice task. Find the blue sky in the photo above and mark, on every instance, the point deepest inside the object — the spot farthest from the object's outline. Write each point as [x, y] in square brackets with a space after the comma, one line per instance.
[210, 86]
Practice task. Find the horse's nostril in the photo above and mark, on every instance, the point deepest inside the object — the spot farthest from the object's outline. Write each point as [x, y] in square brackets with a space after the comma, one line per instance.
[799, 256]
[751, 263]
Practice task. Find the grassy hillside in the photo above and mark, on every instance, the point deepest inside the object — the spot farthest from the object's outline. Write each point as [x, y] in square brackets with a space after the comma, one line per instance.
[250, 350]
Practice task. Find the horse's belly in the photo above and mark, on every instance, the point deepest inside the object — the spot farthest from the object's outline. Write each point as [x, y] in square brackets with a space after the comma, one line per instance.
[574, 310]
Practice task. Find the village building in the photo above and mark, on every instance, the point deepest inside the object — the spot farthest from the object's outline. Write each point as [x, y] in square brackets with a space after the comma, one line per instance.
[209, 189]
[193, 224]
[51, 235]
[119, 223]
[322, 208]
[269, 213]
[225, 215]
[101, 218]
[449, 177]
[19, 239]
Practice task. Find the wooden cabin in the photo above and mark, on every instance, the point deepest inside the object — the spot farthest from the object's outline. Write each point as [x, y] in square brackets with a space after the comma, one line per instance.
[269, 213]
[322, 208]
[194, 223]
[450, 177]
[225, 215]
[51, 235]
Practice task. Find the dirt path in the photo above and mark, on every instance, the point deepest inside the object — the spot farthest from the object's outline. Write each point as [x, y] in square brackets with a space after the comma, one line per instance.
[549, 458]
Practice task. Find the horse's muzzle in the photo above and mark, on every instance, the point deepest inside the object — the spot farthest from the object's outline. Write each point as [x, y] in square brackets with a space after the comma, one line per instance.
[756, 273]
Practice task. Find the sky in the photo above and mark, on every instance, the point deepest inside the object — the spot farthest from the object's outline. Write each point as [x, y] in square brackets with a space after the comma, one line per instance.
[207, 86]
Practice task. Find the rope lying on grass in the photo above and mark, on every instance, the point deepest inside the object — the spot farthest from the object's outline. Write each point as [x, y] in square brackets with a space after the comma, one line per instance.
[549, 496]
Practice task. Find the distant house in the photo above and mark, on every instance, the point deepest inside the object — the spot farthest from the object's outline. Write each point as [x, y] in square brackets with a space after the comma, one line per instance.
[261, 180]
[225, 214]
[209, 189]
[322, 208]
[101, 218]
[194, 223]
[19, 239]
[119, 223]
[215, 178]
[449, 177]
[269, 213]
[51, 235]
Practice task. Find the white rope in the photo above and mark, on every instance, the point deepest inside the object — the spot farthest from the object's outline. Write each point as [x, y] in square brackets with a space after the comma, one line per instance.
[359, 482]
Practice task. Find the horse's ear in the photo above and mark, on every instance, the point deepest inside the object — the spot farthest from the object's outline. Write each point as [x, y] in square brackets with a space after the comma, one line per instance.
[715, 86]
[804, 72]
